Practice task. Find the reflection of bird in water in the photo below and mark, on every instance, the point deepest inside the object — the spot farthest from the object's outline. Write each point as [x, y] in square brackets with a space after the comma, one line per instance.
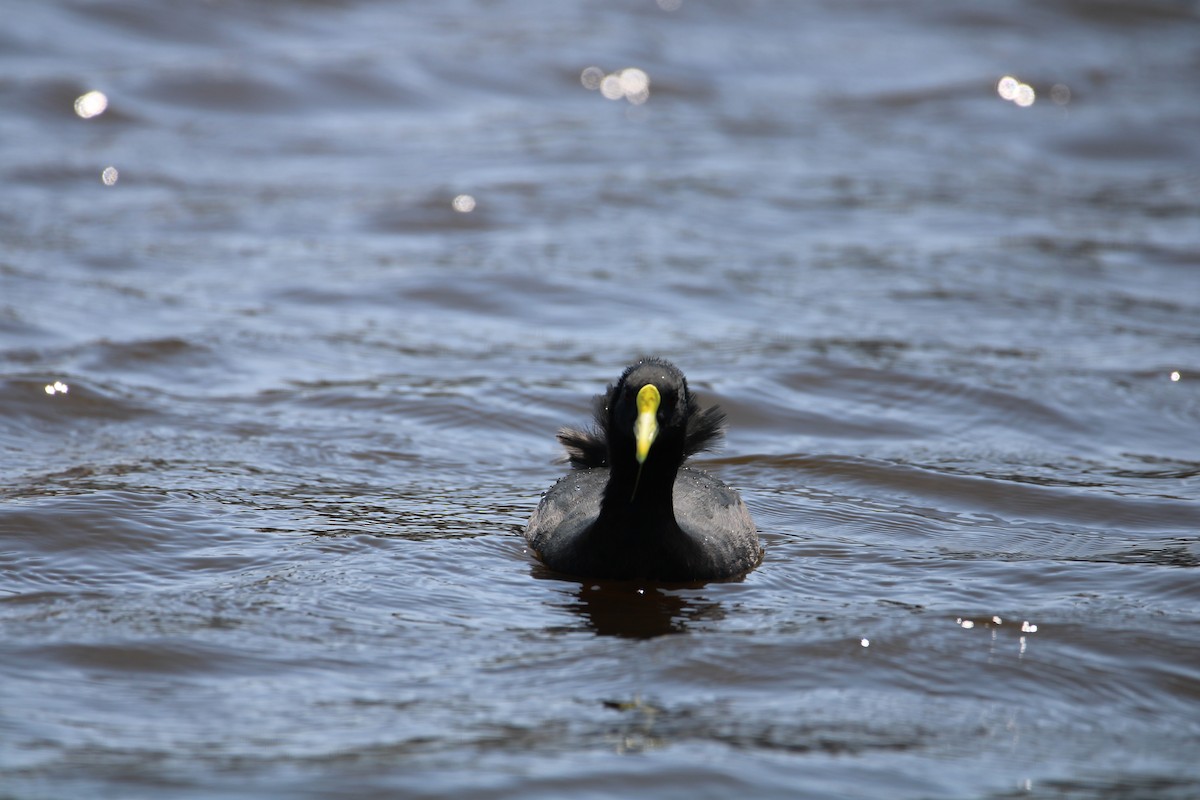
[629, 508]
[617, 608]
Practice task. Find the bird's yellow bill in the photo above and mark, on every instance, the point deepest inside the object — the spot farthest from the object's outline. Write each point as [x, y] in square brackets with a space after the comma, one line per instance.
[645, 429]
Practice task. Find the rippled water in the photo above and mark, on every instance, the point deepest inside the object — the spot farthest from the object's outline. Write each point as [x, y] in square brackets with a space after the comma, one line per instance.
[273, 412]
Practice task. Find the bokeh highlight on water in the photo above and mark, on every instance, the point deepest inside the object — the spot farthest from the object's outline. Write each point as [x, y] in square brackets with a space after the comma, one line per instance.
[293, 297]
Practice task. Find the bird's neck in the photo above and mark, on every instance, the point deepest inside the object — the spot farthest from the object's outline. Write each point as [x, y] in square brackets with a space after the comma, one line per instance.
[640, 500]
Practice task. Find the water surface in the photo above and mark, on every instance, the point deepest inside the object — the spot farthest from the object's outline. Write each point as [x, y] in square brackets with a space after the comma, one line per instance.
[273, 412]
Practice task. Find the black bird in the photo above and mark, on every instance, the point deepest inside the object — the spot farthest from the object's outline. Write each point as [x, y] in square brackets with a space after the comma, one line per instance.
[629, 508]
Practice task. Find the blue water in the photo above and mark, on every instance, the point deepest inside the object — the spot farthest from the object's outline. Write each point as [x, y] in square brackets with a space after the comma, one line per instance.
[273, 412]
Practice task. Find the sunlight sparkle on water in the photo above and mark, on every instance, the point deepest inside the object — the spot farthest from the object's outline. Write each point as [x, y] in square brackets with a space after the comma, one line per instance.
[630, 83]
[635, 84]
[1009, 88]
[58, 387]
[865, 642]
[463, 203]
[591, 78]
[109, 176]
[610, 87]
[91, 104]
[1175, 376]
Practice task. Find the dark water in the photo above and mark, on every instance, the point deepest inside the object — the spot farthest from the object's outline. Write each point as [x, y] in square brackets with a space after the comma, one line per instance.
[265, 543]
